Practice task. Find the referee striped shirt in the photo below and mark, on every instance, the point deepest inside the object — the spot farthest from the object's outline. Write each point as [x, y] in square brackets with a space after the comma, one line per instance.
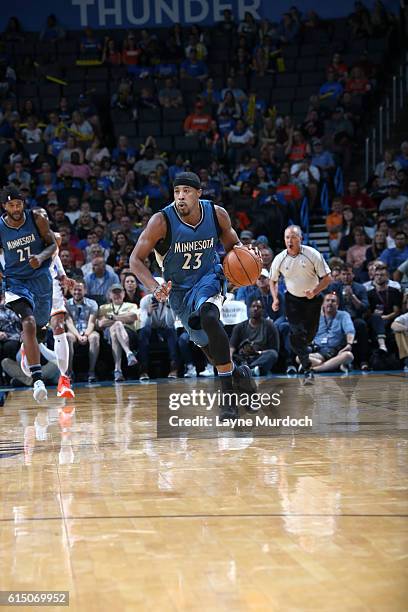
[301, 272]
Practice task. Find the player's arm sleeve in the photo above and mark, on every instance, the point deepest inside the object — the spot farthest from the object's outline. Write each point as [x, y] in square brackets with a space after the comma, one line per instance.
[59, 267]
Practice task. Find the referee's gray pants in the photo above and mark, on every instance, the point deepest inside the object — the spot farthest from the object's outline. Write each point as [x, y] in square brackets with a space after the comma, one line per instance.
[303, 317]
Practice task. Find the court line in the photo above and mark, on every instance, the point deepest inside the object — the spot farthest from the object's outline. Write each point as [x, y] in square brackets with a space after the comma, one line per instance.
[187, 516]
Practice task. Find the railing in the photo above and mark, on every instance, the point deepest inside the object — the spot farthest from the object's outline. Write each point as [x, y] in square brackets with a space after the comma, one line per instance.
[386, 117]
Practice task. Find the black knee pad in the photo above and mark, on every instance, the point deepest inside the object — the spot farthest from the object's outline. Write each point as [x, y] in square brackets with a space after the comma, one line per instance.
[217, 338]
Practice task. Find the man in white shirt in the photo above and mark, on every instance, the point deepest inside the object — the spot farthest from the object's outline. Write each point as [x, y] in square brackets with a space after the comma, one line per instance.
[306, 274]
[307, 176]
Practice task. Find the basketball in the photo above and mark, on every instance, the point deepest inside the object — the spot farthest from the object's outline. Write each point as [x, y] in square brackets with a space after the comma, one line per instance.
[242, 266]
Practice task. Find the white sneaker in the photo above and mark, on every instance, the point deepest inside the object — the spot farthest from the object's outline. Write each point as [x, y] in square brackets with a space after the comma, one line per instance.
[191, 371]
[39, 391]
[209, 370]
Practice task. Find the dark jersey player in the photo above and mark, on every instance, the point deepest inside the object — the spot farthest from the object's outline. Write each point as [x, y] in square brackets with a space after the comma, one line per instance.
[184, 236]
[28, 245]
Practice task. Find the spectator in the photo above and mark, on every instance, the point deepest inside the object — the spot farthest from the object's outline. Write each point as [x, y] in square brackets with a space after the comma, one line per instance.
[331, 89]
[402, 159]
[333, 343]
[239, 94]
[378, 245]
[400, 328]
[360, 21]
[393, 206]
[32, 133]
[385, 305]
[19, 175]
[395, 257]
[255, 342]
[289, 190]
[334, 224]
[401, 275]
[356, 254]
[133, 293]
[96, 152]
[308, 176]
[110, 54]
[81, 334]
[388, 160]
[52, 32]
[90, 47]
[198, 122]
[357, 83]
[118, 320]
[157, 319]
[357, 199]
[80, 127]
[193, 67]
[378, 265]
[10, 333]
[99, 281]
[67, 243]
[322, 159]
[260, 291]
[65, 153]
[353, 299]
[149, 162]
[339, 67]
[75, 168]
[229, 106]
[170, 96]
[297, 148]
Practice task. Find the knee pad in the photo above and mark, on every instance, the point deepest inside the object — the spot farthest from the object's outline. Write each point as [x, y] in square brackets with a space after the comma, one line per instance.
[217, 337]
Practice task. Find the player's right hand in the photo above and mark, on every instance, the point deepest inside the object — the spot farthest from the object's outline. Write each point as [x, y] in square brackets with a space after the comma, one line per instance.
[35, 262]
[275, 305]
[162, 292]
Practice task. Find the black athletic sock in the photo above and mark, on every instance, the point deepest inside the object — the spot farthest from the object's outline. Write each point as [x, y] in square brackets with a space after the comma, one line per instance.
[36, 373]
[226, 382]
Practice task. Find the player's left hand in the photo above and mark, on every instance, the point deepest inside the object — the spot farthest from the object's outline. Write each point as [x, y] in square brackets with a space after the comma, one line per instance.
[310, 294]
[68, 283]
[35, 261]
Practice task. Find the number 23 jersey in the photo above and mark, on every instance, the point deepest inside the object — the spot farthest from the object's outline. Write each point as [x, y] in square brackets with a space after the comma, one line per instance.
[191, 250]
[18, 245]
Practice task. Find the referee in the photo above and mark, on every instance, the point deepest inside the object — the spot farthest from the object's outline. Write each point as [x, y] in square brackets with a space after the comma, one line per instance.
[306, 274]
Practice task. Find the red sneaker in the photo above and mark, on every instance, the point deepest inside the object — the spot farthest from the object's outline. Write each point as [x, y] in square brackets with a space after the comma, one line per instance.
[64, 388]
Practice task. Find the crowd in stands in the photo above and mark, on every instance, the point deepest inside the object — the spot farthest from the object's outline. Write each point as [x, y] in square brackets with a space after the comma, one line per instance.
[270, 115]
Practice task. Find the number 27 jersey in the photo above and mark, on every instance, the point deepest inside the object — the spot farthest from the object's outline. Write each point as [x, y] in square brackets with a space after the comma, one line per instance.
[18, 245]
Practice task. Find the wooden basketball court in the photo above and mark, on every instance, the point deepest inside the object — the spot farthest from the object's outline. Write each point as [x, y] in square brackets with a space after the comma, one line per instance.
[93, 503]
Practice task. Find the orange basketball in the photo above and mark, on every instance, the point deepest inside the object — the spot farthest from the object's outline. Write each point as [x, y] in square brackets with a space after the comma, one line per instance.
[242, 266]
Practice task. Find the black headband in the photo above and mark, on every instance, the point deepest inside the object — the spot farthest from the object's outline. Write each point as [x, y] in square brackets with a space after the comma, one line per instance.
[187, 178]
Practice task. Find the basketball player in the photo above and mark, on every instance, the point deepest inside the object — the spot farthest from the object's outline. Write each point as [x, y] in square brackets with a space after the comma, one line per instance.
[306, 274]
[184, 236]
[28, 245]
[57, 323]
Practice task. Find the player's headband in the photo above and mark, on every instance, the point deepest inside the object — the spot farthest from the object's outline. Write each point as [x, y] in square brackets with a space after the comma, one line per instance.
[9, 196]
[187, 178]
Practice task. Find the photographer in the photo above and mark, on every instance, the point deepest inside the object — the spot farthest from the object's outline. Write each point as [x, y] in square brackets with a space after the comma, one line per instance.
[332, 347]
[255, 342]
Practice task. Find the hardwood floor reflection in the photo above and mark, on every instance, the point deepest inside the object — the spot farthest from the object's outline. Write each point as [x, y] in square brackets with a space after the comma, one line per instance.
[94, 503]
